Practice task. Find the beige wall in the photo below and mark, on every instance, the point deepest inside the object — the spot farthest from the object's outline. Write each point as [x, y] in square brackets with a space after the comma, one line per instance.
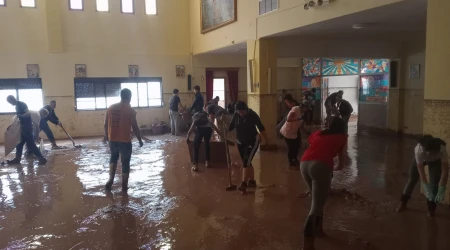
[106, 42]
[251, 26]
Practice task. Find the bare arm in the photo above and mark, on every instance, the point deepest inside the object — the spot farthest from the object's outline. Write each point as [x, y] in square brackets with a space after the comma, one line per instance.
[341, 156]
[105, 127]
[216, 129]
[191, 129]
[136, 130]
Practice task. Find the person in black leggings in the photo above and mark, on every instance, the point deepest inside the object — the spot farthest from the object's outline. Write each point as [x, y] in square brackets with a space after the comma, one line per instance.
[203, 131]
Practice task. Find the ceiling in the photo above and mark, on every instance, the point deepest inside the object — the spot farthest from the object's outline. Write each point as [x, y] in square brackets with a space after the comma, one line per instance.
[395, 22]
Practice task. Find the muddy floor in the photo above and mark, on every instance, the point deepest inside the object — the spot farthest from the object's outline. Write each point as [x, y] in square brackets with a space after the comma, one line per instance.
[63, 205]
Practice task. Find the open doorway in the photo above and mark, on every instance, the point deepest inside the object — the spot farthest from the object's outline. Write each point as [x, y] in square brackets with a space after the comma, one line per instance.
[219, 90]
[348, 84]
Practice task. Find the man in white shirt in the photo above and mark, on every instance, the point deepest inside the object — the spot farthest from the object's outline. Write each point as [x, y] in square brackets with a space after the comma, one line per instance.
[432, 152]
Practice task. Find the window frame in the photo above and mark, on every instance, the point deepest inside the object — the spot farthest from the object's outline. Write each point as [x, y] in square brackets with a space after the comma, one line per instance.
[267, 12]
[121, 8]
[16, 82]
[156, 8]
[82, 6]
[109, 7]
[3, 5]
[117, 80]
[21, 6]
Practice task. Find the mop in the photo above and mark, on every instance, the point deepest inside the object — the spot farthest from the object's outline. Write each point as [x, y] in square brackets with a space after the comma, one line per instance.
[230, 187]
[70, 137]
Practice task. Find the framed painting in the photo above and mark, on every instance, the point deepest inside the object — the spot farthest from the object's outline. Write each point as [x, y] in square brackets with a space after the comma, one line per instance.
[33, 71]
[80, 70]
[180, 71]
[311, 66]
[215, 14]
[373, 66]
[339, 66]
[133, 70]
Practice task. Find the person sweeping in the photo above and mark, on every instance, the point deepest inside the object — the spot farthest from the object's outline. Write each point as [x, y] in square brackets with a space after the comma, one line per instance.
[317, 169]
[245, 121]
[431, 152]
[203, 128]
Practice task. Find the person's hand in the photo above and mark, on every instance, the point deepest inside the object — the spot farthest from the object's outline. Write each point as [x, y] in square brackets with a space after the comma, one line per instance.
[427, 191]
[338, 167]
[440, 195]
[59, 123]
[141, 143]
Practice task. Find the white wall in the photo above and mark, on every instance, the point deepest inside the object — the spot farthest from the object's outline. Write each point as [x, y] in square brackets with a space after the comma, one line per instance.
[348, 84]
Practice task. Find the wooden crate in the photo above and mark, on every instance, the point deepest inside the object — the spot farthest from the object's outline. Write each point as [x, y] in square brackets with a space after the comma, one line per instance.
[218, 153]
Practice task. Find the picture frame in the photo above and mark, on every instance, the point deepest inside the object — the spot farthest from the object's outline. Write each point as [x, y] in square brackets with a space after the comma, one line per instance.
[414, 71]
[32, 70]
[133, 70]
[180, 70]
[216, 14]
[80, 70]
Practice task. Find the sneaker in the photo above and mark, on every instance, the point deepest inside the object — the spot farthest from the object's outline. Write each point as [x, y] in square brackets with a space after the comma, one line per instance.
[207, 164]
[251, 184]
[42, 161]
[13, 161]
[243, 187]
[194, 168]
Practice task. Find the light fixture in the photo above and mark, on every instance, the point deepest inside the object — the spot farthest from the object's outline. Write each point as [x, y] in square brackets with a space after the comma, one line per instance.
[358, 26]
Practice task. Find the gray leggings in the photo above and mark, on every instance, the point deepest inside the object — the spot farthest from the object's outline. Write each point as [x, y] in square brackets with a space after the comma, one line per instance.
[317, 176]
[434, 171]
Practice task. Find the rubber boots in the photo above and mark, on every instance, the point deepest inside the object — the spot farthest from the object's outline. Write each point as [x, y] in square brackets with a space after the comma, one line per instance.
[403, 202]
[112, 173]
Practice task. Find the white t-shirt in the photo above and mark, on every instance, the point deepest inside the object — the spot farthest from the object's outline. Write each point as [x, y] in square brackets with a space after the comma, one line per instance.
[35, 117]
[290, 129]
[422, 156]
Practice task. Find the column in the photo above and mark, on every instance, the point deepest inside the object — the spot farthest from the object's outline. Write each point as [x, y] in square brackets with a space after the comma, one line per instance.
[262, 84]
[437, 84]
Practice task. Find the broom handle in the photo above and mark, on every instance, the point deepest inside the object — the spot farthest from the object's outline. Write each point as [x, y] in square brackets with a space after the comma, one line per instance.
[67, 134]
[226, 149]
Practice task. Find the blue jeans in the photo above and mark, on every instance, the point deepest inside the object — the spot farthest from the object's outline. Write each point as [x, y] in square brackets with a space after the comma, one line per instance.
[27, 137]
[122, 149]
[44, 127]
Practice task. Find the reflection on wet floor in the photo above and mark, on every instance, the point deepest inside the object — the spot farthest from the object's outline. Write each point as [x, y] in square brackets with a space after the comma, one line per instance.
[64, 206]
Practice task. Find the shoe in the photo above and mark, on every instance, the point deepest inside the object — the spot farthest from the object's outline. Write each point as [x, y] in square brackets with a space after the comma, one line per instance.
[207, 164]
[194, 168]
[56, 147]
[42, 161]
[125, 182]
[251, 184]
[243, 187]
[13, 161]
[112, 173]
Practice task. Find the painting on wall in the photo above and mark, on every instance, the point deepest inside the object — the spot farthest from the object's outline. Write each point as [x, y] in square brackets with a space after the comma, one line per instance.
[374, 88]
[80, 70]
[32, 71]
[312, 82]
[180, 71]
[311, 66]
[133, 70]
[373, 66]
[215, 14]
[339, 66]
[414, 71]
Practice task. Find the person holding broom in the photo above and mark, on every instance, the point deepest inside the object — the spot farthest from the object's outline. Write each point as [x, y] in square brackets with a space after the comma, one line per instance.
[245, 121]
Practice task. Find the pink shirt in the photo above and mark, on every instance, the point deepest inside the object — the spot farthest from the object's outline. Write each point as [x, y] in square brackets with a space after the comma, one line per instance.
[290, 129]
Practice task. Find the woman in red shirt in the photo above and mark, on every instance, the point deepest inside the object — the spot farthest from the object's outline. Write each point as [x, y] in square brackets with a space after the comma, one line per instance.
[317, 169]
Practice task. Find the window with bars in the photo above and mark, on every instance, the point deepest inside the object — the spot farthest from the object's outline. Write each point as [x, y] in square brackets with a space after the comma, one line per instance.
[127, 6]
[100, 93]
[76, 4]
[28, 90]
[266, 6]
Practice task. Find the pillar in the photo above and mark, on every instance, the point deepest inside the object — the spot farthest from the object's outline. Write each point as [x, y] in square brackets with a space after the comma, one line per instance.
[54, 26]
[262, 83]
[437, 88]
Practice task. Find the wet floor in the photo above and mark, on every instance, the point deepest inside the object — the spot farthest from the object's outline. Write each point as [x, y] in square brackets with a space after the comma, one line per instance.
[63, 205]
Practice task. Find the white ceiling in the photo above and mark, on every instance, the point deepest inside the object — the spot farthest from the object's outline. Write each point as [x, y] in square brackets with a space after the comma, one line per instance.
[395, 22]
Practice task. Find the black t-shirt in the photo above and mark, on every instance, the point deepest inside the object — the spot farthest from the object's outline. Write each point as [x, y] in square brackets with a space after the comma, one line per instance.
[331, 99]
[246, 127]
[25, 122]
[345, 108]
[173, 103]
[216, 110]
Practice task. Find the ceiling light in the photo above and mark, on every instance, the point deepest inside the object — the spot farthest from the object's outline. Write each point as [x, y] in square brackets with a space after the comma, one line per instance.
[359, 26]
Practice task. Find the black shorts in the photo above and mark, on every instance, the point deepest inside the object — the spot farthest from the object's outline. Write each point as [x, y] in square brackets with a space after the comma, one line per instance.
[247, 152]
